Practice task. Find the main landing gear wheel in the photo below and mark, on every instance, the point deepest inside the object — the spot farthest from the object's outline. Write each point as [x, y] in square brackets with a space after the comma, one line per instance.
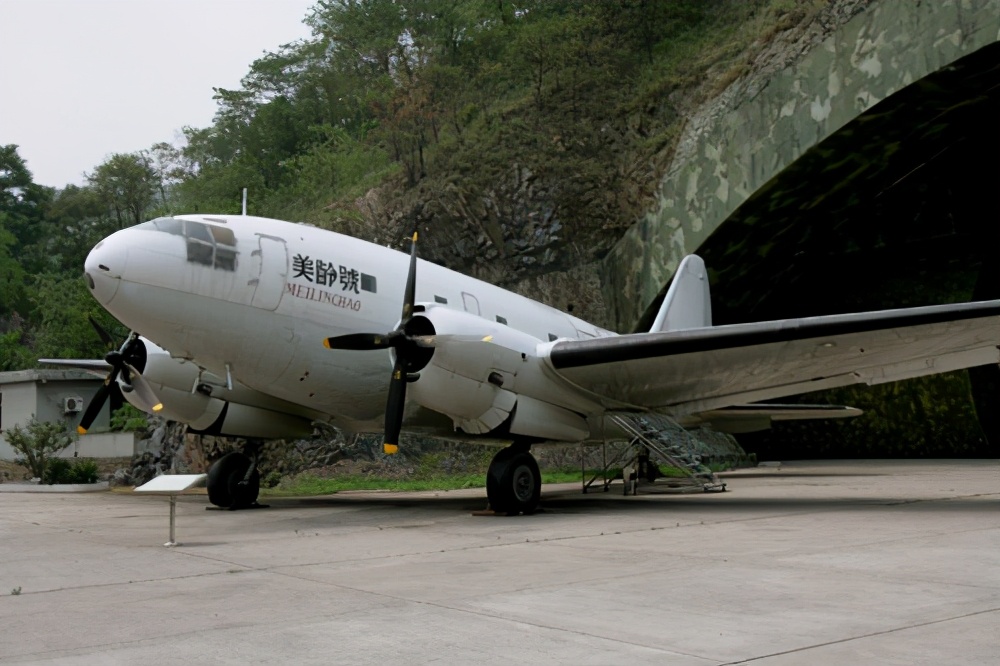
[513, 482]
[228, 485]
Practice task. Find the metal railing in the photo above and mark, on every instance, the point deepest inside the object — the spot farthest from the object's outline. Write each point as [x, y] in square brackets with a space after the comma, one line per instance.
[664, 439]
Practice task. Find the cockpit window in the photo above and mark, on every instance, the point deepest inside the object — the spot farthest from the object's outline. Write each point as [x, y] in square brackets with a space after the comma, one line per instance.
[206, 244]
[225, 248]
[167, 224]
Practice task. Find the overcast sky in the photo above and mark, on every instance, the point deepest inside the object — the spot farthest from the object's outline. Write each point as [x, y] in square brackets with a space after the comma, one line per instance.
[82, 79]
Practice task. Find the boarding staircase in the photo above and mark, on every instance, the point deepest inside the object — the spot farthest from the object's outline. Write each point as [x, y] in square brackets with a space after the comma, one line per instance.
[656, 439]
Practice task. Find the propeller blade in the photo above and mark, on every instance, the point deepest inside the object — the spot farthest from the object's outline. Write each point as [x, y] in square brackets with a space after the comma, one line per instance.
[94, 408]
[394, 407]
[106, 338]
[115, 399]
[143, 390]
[409, 296]
[361, 341]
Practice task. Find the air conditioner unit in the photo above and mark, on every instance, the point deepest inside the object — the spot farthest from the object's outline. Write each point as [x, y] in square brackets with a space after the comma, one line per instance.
[72, 405]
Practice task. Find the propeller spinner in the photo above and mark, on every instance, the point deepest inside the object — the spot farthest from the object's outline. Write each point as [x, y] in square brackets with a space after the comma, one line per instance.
[411, 353]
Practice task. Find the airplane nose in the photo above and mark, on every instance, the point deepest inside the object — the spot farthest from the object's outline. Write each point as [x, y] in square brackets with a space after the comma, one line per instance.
[103, 269]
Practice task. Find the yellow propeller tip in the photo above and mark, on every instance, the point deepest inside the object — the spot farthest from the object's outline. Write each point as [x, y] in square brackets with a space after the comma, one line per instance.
[158, 406]
[390, 449]
[81, 430]
[326, 342]
[414, 236]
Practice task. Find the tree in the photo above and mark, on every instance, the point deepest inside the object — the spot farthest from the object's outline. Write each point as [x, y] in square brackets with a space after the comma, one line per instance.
[367, 34]
[62, 306]
[11, 272]
[167, 163]
[37, 442]
[75, 221]
[15, 353]
[21, 200]
[22, 207]
[126, 184]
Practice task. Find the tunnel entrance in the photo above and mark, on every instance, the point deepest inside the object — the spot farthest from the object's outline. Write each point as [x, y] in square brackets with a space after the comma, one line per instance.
[899, 208]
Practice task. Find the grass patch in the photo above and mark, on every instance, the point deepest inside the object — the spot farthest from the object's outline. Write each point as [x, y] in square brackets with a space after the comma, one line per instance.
[307, 484]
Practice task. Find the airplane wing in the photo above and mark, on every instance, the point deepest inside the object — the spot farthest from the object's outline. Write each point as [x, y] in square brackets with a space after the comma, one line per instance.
[93, 366]
[697, 370]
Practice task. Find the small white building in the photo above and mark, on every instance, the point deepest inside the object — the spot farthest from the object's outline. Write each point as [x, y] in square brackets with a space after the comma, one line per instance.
[59, 395]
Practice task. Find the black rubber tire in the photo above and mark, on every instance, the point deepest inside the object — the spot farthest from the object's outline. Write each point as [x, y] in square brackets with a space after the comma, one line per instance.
[243, 495]
[496, 469]
[223, 481]
[514, 482]
[218, 478]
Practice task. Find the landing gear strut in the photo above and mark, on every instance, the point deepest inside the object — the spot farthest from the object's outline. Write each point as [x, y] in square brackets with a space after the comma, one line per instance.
[513, 482]
[233, 480]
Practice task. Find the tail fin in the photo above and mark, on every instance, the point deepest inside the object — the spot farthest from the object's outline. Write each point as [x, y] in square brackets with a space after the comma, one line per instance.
[687, 303]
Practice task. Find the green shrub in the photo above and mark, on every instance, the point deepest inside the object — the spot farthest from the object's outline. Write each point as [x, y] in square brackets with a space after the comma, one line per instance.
[84, 471]
[128, 419]
[37, 442]
[61, 470]
[57, 470]
[271, 479]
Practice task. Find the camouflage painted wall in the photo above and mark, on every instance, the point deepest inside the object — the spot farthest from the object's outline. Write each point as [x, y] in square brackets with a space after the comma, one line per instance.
[762, 123]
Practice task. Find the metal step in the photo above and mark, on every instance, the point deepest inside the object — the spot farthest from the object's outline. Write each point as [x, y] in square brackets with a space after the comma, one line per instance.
[668, 443]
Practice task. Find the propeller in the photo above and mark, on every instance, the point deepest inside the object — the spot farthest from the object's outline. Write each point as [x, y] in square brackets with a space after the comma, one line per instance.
[411, 351]
[122, 362]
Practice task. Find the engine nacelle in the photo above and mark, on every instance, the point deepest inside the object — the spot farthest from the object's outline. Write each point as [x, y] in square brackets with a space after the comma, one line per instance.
[240, 412]
[211, 416]
[473, 377]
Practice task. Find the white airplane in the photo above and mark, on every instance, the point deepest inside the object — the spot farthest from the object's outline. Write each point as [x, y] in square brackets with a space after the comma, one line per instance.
[260, 328]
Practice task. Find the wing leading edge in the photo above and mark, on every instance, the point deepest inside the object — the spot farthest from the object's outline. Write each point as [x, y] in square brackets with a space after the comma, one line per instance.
[695, 370]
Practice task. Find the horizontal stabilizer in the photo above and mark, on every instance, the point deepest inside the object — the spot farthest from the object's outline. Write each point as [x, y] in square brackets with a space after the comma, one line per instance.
[795, 412]
[761, 416]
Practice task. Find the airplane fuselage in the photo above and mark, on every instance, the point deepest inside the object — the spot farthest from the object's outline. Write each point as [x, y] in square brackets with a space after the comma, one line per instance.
[253, 298]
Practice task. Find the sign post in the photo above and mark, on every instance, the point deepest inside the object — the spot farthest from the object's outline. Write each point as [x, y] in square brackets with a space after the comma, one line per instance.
[172, 485]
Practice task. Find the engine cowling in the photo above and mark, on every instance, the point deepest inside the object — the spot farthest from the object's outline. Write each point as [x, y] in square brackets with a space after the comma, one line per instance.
[239, 412]
[478, 375]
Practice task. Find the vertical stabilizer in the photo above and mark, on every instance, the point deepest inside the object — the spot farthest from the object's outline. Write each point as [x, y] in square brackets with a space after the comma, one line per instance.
[687, 303]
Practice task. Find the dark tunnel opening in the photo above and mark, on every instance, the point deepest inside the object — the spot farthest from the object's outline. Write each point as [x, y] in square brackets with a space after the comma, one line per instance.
[899, 208]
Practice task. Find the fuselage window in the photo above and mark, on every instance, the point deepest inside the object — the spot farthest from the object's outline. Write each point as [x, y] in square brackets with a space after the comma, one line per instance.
[368, 283]
[553, 338]
[502, 320]
[441, 299]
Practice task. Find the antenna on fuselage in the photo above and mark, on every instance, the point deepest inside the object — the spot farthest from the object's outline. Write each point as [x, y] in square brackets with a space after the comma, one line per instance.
[244, 201]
